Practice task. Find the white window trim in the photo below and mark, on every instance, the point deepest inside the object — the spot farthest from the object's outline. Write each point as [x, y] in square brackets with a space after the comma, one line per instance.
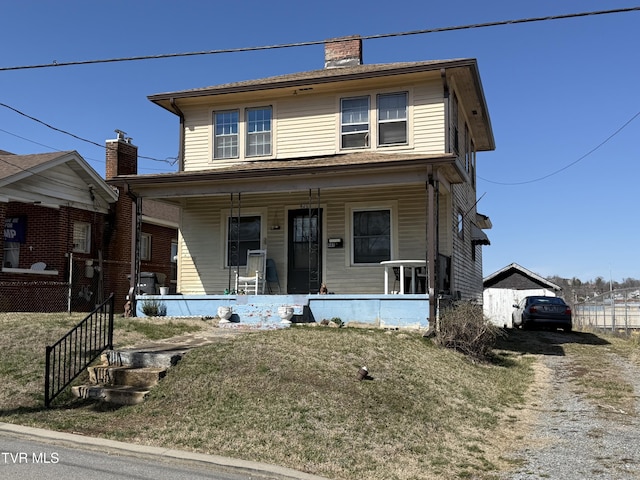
[87, 238]
[224, 231]
[244, 148]
[146, 257]
[369, 135]
[242, 132]
[409, 113]
[350, 208]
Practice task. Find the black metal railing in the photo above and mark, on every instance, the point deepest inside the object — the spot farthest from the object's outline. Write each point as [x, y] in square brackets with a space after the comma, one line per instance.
[74, 352]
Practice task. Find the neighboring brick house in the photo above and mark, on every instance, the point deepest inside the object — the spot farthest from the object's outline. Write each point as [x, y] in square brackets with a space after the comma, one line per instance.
[332, 171]
[63, 223]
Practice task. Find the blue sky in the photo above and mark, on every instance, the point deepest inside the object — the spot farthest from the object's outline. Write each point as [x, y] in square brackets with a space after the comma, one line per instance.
[556, 90]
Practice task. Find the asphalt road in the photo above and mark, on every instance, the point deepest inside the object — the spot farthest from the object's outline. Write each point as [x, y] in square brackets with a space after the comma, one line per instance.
[35, 454]
[24, 459]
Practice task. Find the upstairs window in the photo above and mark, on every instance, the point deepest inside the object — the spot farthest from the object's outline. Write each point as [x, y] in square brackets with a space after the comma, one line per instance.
[82, 237]
[392, 119]
[258, 131]
[225, 125]
[354, 122]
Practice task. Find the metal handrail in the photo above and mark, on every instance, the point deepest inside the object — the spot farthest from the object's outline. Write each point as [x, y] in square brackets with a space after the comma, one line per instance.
[75, 351]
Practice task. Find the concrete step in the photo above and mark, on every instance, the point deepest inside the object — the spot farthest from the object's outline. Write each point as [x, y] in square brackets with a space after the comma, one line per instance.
[132, 376]
[118, 395]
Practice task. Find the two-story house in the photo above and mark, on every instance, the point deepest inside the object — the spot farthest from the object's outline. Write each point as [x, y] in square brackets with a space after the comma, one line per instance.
[332, 171]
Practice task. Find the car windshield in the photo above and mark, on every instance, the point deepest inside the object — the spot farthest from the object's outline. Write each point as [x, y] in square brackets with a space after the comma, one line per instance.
[550, 300]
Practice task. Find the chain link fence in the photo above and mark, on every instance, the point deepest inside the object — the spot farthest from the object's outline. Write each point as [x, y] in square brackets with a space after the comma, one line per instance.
[618, 310]
[81, 292]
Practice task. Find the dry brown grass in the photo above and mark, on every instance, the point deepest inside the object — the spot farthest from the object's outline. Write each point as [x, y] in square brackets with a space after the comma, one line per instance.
[290, 397]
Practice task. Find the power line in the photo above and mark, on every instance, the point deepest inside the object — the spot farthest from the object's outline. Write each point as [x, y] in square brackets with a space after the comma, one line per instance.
[59, 150]
[170, 162]
[570, 164]
[320, 42]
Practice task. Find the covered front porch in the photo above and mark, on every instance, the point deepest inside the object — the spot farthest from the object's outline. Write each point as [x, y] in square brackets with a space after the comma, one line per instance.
[325, 222]
[409, 311]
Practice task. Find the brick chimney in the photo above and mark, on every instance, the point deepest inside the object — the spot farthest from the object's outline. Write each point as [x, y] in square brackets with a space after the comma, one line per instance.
[343, 52]
[122, 156]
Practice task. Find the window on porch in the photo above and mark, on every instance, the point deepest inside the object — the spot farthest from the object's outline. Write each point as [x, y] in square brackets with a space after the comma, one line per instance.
[11, 257]
[243, 234]
[81, 237]
[371, 236]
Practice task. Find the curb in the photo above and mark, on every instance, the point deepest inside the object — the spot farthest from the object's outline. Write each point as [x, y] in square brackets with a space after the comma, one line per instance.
[130, 449]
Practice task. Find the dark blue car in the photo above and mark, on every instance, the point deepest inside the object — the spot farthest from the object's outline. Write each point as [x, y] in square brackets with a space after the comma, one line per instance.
[540, 311]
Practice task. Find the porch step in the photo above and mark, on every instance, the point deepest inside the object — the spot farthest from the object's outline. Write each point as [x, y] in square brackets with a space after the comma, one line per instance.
[135, 377]
[125, 377]
[116, 394]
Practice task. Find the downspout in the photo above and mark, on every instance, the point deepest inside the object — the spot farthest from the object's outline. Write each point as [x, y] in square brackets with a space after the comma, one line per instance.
[445, 98]
[136, 207]
[181, 142]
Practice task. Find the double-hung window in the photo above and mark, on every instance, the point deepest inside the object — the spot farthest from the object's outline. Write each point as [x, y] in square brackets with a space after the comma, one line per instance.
[354, 122]
[244, 234]
[371, 236]
[11, 257]
[258, 131]
[82, 237]
[225, 124]
[145, 246]
[392, 118]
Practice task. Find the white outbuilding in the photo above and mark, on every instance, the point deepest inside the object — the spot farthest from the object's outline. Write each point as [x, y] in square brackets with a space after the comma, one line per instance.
[509, 285]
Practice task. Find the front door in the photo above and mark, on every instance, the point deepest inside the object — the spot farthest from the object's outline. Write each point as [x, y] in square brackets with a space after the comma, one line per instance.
[305, 253]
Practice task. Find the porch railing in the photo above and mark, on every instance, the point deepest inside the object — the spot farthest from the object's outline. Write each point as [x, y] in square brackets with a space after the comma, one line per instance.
[74, 352]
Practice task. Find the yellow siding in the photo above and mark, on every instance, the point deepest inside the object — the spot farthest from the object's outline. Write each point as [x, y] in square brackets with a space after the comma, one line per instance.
[197, 149]
[202, 244]
[309, 125]
[306, 127]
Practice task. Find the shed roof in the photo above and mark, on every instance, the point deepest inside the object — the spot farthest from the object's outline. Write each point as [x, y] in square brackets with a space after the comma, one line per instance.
[516, 277]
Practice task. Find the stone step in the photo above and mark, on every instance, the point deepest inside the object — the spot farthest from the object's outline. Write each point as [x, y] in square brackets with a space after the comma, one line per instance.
[119, 395]
[140, 358]
[132, 376]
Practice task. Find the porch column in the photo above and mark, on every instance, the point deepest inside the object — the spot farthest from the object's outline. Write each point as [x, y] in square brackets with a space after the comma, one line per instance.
[432, 254]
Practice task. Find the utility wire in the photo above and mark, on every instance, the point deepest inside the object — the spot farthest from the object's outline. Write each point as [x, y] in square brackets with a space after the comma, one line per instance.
[320, 42]
[570, 164]
[58, 150]
[170, 162]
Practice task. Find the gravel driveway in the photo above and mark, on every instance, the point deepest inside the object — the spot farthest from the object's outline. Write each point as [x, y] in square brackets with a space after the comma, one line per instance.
[572, 437]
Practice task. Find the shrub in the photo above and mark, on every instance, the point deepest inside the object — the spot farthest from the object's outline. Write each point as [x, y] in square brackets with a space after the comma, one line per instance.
[463, 327]
[154, 308]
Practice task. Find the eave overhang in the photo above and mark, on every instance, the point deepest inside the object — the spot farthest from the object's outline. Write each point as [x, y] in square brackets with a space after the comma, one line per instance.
[464, 71]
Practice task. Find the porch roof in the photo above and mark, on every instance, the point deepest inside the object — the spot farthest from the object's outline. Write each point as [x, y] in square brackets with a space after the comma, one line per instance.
[334, 171]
